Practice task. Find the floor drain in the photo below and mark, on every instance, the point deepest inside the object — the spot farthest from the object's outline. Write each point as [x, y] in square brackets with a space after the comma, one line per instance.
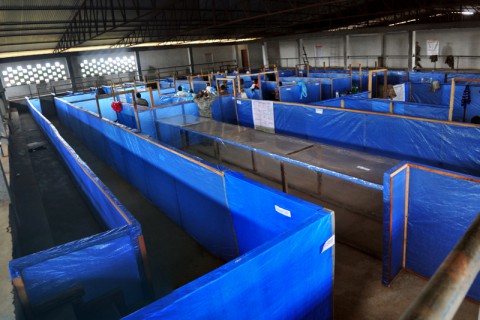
[36, 146]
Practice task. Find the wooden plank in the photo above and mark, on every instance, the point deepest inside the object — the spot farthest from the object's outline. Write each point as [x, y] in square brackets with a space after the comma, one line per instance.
[444, 173]
[452, 98]
[405, 227]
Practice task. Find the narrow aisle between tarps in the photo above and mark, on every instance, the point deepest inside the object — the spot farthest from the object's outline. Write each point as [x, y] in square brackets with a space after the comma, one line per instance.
[174, 257]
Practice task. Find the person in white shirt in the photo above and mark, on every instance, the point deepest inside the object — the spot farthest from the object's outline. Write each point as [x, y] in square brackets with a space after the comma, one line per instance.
[181, 93]
[243, 94]
[209, 88]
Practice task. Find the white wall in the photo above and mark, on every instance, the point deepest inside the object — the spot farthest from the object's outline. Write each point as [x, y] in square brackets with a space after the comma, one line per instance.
[396, 44]
[465, 42]
[362, 46]
[162, 58]
[323, 47]
[288, 50]
[219, 53]
[255, 55]
[460, 41]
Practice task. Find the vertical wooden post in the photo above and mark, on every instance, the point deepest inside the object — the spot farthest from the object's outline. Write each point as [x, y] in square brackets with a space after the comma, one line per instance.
[284, 178]
[137, 119]
[98, 106]
[405, 227]
[152, 102]
[158, 87]
[452, 98]
[391, 106]
[360, 73]
[238, 82]
[385, 80]
[342, 103]
[324, 67]
[370, 84]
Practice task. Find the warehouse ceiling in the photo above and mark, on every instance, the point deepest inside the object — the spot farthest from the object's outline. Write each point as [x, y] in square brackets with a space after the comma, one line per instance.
[67, 25]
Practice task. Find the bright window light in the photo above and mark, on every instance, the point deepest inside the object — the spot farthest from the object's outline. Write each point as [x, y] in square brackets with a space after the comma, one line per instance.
[48, 64]
[38, 65]
[4, 72]
[9, 69]
[57, 63]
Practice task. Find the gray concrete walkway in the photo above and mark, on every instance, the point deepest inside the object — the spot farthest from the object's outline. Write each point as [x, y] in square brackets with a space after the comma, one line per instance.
[174, 257]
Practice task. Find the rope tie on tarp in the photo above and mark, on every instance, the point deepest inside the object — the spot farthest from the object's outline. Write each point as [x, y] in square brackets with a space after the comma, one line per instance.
[303, 88]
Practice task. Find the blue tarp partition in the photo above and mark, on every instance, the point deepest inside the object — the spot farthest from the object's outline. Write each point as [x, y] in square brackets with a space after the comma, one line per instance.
[452, 145]
[190, 193]
[305, 91]
[436, 207]
[285, 272]
[100, 263]
[422, 93]
[411, 109]
[427, 77]
[185, 85]
[224, 109]
[287, 266]
[395, 77]
[333, 83]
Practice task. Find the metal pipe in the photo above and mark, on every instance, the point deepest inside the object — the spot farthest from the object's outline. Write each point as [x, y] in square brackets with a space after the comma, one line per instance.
[444, 293]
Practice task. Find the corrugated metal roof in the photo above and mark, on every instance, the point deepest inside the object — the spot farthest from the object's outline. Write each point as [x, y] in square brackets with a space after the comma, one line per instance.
[193, 19]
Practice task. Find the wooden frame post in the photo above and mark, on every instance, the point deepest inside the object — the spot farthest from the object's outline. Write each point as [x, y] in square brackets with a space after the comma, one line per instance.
[370, 82]
[452, 93]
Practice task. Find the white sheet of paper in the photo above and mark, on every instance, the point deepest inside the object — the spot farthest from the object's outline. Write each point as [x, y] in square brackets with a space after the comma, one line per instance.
[263, 117]
[400, 92]
[432, 47]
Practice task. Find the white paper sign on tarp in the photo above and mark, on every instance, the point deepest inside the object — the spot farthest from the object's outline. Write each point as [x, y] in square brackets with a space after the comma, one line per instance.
[400, 92]
[432, 47]
[263, 118]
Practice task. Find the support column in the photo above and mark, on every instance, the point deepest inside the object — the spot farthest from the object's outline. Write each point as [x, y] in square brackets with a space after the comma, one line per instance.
[265, 54]
[346, 47]
[383, 61]
[71, 73]
[412, 38]
[139, 65]
[300, 51]
[190, 59]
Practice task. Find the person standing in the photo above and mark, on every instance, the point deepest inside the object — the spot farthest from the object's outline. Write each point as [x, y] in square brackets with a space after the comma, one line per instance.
[417, 56]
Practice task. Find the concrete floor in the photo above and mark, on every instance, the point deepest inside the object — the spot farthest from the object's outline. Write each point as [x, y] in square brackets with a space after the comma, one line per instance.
[174, 257]
[360, 295]
[358, 292]
[7, 311]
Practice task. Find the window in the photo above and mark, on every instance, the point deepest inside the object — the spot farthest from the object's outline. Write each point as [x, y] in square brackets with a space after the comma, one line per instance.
[28, 74]
[108, 66]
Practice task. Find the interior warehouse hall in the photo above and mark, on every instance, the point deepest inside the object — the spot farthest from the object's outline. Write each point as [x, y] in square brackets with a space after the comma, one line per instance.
[203, 159]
